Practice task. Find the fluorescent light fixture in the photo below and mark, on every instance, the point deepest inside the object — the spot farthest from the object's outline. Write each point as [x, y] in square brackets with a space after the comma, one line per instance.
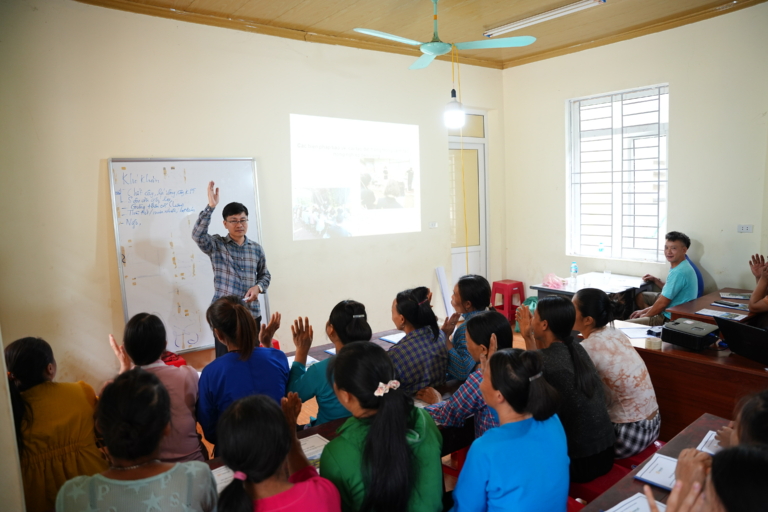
[545, 16]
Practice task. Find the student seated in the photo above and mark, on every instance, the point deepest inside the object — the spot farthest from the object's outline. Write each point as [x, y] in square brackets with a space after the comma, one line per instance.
[143, 343]
[245, 370]
[569, 369]
[523, 464]
[632, 402]
[133, 415]
[420, 358]
[758, 302]
[731, 481]
[750, 425]
[471, 295]
[387, 454]
[53, 421]
[681, 286]
[271, 470]
[468, 399]
[347, 323]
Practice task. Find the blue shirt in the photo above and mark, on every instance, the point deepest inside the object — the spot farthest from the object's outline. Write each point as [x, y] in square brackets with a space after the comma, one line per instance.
[313, 382]
[681, 286]
[228, 378]
[517, 466]
[460, 362]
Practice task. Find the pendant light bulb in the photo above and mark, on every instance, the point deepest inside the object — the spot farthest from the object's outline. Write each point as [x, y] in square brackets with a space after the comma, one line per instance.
[454, 116]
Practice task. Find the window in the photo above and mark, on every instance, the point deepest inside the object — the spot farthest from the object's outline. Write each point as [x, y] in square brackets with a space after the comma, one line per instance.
[617, 174]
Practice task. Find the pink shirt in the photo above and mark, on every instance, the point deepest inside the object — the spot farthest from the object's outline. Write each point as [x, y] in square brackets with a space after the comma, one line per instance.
[310, 492]
[182, 444]
[627, 383]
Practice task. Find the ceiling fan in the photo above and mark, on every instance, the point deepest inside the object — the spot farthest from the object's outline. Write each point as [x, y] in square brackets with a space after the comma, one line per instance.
[437, 47]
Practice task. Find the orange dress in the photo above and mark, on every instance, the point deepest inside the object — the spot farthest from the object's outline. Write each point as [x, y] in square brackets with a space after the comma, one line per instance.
[60, 443]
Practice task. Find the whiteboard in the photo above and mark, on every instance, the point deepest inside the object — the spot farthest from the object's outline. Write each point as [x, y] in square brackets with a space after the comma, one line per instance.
[156, 202]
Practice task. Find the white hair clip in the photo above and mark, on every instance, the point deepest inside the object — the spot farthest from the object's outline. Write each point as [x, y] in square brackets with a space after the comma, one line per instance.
[384, 388]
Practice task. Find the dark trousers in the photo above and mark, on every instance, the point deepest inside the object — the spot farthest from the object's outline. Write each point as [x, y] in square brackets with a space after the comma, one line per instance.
[586, 469]
[221, 348]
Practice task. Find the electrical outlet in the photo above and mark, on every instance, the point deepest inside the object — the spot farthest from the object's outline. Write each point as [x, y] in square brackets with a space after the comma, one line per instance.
[432, 225]
[744, 228]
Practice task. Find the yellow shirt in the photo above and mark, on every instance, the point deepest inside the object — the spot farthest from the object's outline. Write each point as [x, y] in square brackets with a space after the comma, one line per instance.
[60, 443]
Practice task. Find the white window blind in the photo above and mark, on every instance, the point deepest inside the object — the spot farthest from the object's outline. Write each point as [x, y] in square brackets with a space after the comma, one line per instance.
[617, 174]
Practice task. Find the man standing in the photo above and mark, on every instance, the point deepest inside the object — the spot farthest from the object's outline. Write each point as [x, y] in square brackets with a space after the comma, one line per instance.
[239, 265]
[681, 285]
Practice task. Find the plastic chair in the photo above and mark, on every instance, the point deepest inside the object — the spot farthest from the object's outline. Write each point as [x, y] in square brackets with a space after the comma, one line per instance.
[637, 459]
[699, 278]
[588, 491]
[457, 460]
[573, 505]
[508, 289]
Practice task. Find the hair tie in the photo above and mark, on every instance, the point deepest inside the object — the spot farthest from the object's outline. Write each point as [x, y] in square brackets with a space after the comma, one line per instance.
[239, 475]
[531, 379]
[384, 388]
[422, 302]
[358, 316]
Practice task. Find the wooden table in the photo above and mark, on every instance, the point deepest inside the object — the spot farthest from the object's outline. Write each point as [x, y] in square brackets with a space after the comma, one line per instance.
[689, 309]
[689, 383]
[690, 437]
[609, 283]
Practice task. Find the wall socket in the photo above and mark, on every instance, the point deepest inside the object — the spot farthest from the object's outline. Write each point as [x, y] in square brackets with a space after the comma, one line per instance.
[744, 228]
[433, 225]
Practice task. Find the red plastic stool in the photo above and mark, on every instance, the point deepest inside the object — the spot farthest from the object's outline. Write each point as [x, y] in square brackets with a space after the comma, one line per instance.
[507, 288]
[588, 491]
[457, 459]
[637, 459]
[573, 505]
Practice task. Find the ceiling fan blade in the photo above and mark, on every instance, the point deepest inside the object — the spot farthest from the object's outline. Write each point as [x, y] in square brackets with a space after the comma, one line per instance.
[384, 35]
[505, 42]
[422, 62]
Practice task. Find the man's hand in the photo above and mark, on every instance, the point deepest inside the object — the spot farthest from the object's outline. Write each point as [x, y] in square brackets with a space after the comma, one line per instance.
[756, 265]
[213, 195]
[121, 355]
[648, 278]
[640, 313]
[267, 332]
[429, 395]
[450, 324]
[252, 294]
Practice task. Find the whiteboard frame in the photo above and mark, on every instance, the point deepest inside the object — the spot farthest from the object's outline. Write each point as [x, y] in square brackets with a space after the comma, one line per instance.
[265, 303]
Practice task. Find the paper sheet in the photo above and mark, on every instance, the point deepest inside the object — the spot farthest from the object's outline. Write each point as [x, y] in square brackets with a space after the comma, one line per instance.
[635, 333]
[394, 338]
[737, 296]
[313, 448]
[310, 361]
[223, 477]
[636, 503]
[709, 444]
[659, 471]
[331, 351]
[721, 314]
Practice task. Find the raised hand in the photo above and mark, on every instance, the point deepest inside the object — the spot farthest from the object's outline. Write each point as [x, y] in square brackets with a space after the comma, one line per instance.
[121, 355]
[291, 405]
[450, 324]
[213, 195]
[302, 338]
[429, 395]
[524, 318]
[267, 332]
[756, 265]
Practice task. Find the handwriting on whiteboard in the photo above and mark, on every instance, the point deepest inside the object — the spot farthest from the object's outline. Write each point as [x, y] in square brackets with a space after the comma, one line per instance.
[136, 201]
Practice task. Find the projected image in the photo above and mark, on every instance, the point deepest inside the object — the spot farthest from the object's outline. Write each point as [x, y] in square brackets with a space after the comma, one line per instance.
[353, 178]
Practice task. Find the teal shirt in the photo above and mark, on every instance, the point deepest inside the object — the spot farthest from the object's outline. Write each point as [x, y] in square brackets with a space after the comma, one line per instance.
[681, 286]
[312, 383]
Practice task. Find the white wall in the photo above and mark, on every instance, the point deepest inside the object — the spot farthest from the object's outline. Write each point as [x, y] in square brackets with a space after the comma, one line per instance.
[82, 84]
[717, 72]
[11, 488]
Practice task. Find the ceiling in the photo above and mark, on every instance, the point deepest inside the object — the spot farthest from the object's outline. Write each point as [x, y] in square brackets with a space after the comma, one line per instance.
[332, 21]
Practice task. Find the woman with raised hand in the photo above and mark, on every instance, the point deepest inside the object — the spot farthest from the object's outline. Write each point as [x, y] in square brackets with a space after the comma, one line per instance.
[247, 369]
[515, 386]
[258, 442]
[133, 415]
[387, 455]
[53, 421]
[421, 357]
[569, 369]
[750, 424]
[347, 323]
[468, 399]
[632, 404]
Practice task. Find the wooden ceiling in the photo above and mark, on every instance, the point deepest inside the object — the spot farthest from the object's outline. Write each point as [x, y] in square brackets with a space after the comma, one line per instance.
[332, 21]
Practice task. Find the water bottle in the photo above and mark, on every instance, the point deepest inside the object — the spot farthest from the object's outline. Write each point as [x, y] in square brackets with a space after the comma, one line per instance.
[574, 270]
[600, 249]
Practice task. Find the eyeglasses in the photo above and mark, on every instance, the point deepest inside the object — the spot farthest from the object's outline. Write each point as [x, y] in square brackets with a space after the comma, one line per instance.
[240, 221]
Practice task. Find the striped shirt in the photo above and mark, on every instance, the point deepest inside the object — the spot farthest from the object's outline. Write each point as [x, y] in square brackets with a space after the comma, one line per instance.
[236, 268]
[465, 402]
[420, 360]
[460, 362]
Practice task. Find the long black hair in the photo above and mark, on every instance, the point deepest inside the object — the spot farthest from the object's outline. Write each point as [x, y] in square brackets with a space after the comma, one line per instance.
[254, 438]
[481, 326]
[560, 315]
[144, 338]
[26, 360]
[231, 318]
[350, 322]
[388, 469]
[132, 414]
[596, 303]
[518, 375]
[476, 290]
[753, 419]
[738, 476]
[414, 305]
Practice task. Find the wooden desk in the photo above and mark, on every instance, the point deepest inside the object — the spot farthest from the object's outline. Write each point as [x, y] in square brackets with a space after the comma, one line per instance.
[690, 437]
[689, 309]
[689, 383]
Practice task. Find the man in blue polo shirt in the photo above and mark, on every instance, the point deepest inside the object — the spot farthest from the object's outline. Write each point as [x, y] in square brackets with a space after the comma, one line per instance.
[681, 285]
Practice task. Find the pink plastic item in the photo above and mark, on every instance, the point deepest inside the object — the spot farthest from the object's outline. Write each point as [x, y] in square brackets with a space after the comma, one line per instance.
[554, 282]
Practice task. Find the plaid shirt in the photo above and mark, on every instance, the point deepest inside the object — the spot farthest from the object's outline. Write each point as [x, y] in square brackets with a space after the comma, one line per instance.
[420, 360]
[460, 362]
[465, 402]
[236, 268]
